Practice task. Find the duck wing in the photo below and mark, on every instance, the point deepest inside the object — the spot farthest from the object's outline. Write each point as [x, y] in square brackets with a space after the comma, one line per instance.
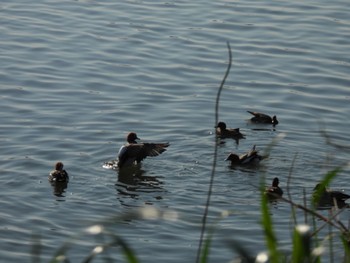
[58, 176]
[151, 149]
[260, 117]
[274, 191]
[259, 114]
[251, 156]
[234, 133]
[338, 195]
[247, 158]
[130, 153]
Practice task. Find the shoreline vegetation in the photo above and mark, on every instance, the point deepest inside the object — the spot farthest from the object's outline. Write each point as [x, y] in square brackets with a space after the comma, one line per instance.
[306, 246]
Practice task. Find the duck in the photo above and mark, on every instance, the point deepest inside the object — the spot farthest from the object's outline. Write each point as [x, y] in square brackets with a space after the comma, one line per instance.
[133, 152]
[223, 132]
[58, 174]
[263, 118]
[274, 191]
[325, 197]
[250, 158]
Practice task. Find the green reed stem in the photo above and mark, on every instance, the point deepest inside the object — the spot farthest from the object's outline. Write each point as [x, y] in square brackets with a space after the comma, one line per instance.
[267, 225]
[288, 189]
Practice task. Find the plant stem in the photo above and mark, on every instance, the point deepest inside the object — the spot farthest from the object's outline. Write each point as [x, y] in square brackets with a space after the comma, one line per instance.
[204, 219]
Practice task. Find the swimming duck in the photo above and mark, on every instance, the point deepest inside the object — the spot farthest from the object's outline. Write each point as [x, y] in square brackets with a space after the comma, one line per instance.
[274, 191]
[250, 158]
[223, 132]
[58, 175]
[326, 197]
[263, 118]
[133, 152]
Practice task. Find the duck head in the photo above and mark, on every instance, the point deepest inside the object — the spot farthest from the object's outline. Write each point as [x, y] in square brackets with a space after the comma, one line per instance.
[275, 182]
[234, 158]
[221, 125]
[274, 120]
[132, 137]
[59, 166]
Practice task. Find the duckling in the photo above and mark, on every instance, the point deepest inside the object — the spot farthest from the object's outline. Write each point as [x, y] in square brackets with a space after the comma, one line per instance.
[223, 132]
[326, 197]
[58, 175]
[250, 158]
[274, 191]
[133, 152]
[263, 118]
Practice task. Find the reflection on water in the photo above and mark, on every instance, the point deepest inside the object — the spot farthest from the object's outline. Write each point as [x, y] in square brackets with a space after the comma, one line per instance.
[59, 188]
[132, 181]
[263, 129]
[222, 141]
[157, 73]
[250, 169]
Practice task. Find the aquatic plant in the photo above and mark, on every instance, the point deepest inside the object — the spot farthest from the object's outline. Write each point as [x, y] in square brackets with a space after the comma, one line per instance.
[106, 239]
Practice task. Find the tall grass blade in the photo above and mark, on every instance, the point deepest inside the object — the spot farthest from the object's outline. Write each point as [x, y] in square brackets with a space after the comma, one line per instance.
[117, 242]
[346, 245]
[266, 221]
[206, 248]
[324, 183]
[288, 189]
[128, 252]
[331, 250]
[267, 225]
[302, 244]
[60, 255]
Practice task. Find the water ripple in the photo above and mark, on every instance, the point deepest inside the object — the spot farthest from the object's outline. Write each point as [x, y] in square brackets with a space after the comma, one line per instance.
[76, 76]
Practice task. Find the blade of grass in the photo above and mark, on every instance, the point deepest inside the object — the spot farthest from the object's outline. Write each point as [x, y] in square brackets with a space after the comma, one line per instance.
[324, 183]
[266, 221]
[206, 248]
[60, 255]
[128, 252]
[331, 250]
[346, 245]
[288, 188]
[271, 240]
[245, 254]
[301, 244]
[117, 242]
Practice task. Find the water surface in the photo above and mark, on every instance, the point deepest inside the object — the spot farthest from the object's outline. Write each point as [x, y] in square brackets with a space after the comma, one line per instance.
[76, 76]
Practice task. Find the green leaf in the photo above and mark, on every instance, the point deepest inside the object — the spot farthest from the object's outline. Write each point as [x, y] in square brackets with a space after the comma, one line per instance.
[267, 225]
[324, 183]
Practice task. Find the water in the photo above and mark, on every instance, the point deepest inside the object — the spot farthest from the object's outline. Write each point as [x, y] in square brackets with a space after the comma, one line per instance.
[76, 76]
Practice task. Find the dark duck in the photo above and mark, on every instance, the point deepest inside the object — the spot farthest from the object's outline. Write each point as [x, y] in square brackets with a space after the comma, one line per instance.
[223, 132]
[59, 175]
[250, 158]
[324, 197]
[133, 152]
[274, 191]
[263, 118]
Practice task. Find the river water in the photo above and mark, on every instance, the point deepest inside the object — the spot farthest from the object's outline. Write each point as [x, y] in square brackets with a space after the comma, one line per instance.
[77, 76]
